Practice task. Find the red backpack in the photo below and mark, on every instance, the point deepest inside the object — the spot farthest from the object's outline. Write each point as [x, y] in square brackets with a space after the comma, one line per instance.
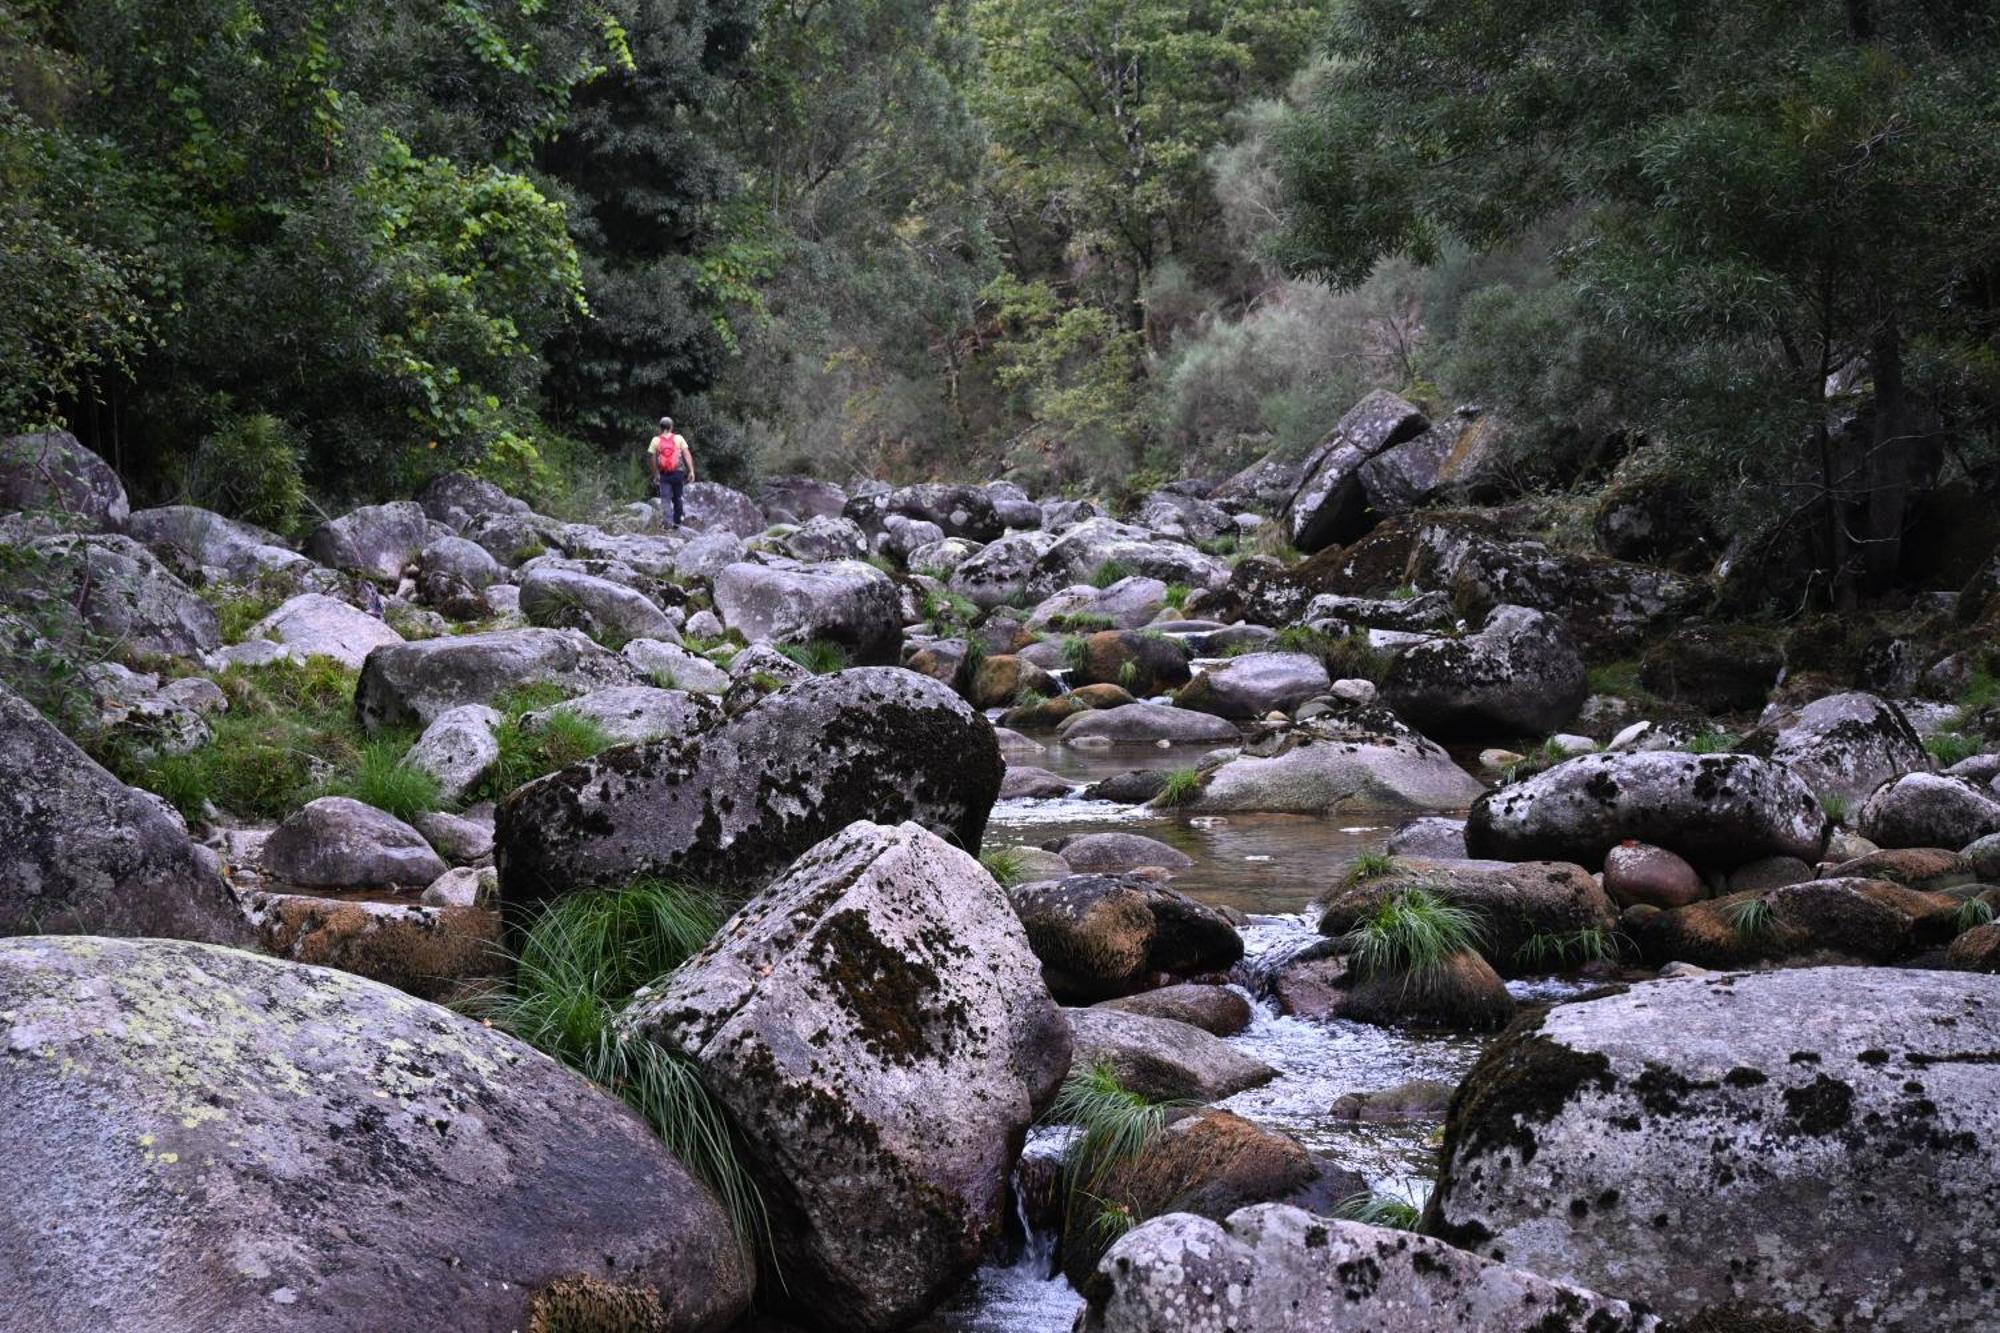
[669, 461]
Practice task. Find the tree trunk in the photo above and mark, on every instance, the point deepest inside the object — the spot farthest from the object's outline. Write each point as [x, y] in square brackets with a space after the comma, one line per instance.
[1891, 451]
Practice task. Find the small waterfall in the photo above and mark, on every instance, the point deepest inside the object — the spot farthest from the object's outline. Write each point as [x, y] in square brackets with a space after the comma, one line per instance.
[1037, 1259]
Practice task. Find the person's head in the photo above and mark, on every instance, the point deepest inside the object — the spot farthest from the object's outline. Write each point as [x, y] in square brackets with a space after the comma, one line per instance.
[666, 423]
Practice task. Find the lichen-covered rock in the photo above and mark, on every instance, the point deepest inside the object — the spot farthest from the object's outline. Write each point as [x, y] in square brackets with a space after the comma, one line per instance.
[87, 854]
[1000, 681]
[875, 1024]
[826, 539]
[1809, 1147]
[1184, 517]
[1273, 1268]
[1844, 745]
[956, 511]
[441, 953]
[190, 539]
[1144, 724]
[313, 625]
[453, 575]
[565, 599]
[844, 602]
[377, 541]
[455, 499]
[1118, 851]
[802, 497]
[1514, 901]
[336, 842]
[1253, 684]
[458, 748]
[1330, 505]
[1520, 675]
[122, 592]
[1102, 936]
[54, 473]
[1359, 758]
[628, 713]
[1163, 1059]
[1977, 950]
[408, 684]
[757, 671]
[673, 667]
[236, 1143]
[734, 804]
[1716, 810]
[1928, 810]
[1432, 836]
[711, 505]
[999, 574]
[1079, 554]
[1841, 919]
[709, 554]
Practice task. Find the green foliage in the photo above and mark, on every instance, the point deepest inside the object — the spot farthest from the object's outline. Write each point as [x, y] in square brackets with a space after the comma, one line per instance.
[1620, 680]
[1182, 786]
[1411, 934]
[1007, 865]
[1082, 622]
[1555, 950]
[1370, 865]
[1379, 1210]
[819, 656]
[1713, 742]
[381, 779]
[1109, 573]
[558, 740]
[250, 469]
[1347, 656]
[949, 613]
[1751, 918]
[1128, 675]
[1950, 747]
[1115, 1128]
[1178, 594]
[1076, 656]
[577, 967]
[1834, 804]
[1971, 913]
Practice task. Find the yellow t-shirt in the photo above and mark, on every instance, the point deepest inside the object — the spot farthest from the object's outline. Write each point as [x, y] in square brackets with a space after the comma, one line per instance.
[670, 452]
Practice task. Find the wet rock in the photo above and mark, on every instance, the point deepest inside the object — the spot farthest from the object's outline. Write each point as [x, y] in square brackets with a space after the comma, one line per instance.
[1219, 1010]
[1869, 920]
[336, 842]
[1001, 681]
[1515, 902]
[1023, 783]
[376, 541]
[1789, 1120]
[1521, 674]
[208, 1096]
[564, 599]
[313, 625]
[458, 749]
[1134, 788]
[1361, 758]
[1118, 851]
[1254, 684]
[1844, 745]
[1162, 1059]
[1715, 810]
[1102, 936]
[1928, 810]
[1418, 1099]
[874, 1023]
[1144, 664]
[846, 602]
[1635, 872]
[1330, 506]
[1145, 722]
[628, 713]
[53, 472]
[408, 684]
[734, 804]
[1932, 869]
[1279, 1269]
[1432, 836]
[88, 855]
[1461, 993]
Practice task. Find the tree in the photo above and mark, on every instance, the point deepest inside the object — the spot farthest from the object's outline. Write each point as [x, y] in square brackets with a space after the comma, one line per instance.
[1786, 207]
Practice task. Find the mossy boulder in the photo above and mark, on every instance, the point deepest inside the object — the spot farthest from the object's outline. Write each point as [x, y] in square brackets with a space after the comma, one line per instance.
[734, 804]
[246, 1144]
[442, 953]
[1459, 993]
[1713, 670]
[1520, 675]
[1144, 664]
[1102, 936]
[1515, 902]
[1841, 919]
[1000, 681]
[1802, 1148]
[876, 1025]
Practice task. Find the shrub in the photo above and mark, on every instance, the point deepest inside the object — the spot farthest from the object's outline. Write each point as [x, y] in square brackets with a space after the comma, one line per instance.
[250, 470]
[383, 780]
[1411, 935]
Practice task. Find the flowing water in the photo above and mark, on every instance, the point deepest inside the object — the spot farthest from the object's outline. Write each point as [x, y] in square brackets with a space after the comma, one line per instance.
[1271, 867]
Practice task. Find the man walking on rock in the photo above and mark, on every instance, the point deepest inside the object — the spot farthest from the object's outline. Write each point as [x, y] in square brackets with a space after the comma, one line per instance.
[673, 468]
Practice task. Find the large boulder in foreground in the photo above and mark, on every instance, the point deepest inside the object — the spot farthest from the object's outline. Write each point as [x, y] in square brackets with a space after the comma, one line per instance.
[413, 684]
[1520, 675]
[87, 854]
[733, 805]
[53, 473]
[1361, 758]
[1273, 1268]
[845, 602]
[248, 1144]
[1717, 810]
[1805, 1148]
[876, 1025]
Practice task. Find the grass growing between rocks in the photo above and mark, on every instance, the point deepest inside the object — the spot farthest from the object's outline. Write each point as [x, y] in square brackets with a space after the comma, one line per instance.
[1346, 656]
[527, 753]
[1550, 951]
[1082, 622]
[1178, 594]
[1109, 573]
[383, 780]
[1950, 747]
[1370, 865]
[1007, 865]
[577, 968]
[1378, 1210]
[1115, 1128]
[1411, 935]
[819, 656]
[1971, 914]
[1713, 742]
[1751, 919]
[1834, 806]
[1182, 786]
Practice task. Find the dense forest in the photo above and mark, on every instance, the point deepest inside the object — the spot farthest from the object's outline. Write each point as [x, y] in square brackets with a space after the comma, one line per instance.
[264, 254]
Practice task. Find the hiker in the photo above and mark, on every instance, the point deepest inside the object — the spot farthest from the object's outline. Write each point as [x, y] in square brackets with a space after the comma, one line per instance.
[673, 468]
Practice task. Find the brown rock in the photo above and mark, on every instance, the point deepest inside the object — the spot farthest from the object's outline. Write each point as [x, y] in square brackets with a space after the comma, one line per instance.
[1217, 1009]
[1637, 872]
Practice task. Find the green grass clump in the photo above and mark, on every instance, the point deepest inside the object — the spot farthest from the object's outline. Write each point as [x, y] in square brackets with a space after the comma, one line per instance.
[1981, 692]
[1128, 676]
[1547, 950]
[1378, 1210]
[576, 970]
[1007, 865]
[239, 609]
[1751, 919]
[383, 780]
[1076, 655]
[1182, 786]
[1834, 805]
[1110, 572]
[819, 656]
[1950, 747]
[1346, 656]
[1178, 594]
[1411, 935]
[1370, 865]
[1115, 1127]
[1713, 742]
[948, 612]
[1029, 697]
[1082, 622]
[562, 739]
[1224, 545]
[1619, 680]
[1973, 912]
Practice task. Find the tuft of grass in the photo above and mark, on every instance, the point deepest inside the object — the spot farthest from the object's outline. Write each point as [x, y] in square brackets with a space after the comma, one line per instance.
[1713, 742]
[1029, 697]
[1554, 950]
[1378, 1210]
[1835, 805]
[819, 656]
[1082, 622]
[1178, 594]
[1751, 919]
[1115, 1127]
[948, 612]
[562, 739]
[1973, 912]
[1128, 676]
[237, 610]
[383, 780]
[579, 963]
[1007, 865]
[1109, 573]
[1981, 693]
[1950, 747]
[1412, 935]
[1182, 786]
[532, 551]
[765, 683]
[1347, 656]
[1620, 680]
[1076, 655]
[1370, 865]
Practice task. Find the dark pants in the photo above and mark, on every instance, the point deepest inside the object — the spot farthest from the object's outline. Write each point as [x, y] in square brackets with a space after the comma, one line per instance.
[671, 486]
